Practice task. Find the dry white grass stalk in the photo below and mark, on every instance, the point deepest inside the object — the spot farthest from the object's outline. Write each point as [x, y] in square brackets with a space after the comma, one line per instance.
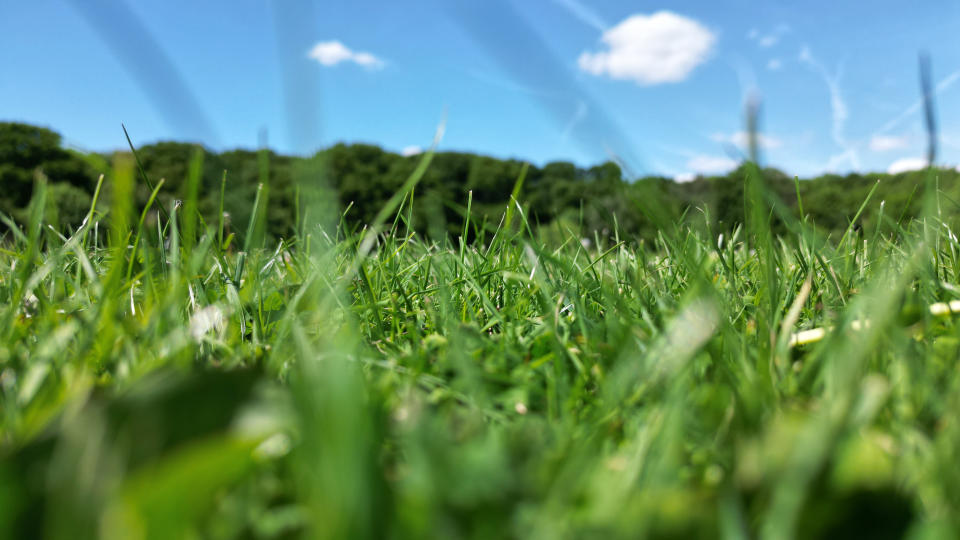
[805, 337]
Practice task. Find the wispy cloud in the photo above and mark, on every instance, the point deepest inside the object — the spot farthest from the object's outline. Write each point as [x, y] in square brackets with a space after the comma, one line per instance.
[331, 53]
[839, 111]
[742, 139]
[411, 150]
[503, 83]
[849, 156]
[768, 39]
[774, 64]
[651, 49]
[950, 140]
[584, 14]
[886, 143]
[578, 115]
[746, 77]
[942, 86]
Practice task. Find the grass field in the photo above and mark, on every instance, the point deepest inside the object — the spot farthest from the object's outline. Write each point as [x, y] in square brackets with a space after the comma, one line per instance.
[160, 380]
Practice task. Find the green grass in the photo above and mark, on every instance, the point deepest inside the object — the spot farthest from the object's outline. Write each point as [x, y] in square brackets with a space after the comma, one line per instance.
[158, 383]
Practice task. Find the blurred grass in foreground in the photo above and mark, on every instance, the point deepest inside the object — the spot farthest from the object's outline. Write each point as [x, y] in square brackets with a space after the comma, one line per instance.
[376, 384]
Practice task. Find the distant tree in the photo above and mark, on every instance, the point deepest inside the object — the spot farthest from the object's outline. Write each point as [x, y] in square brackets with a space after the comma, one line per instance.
[596, 199]
[555, 189]
[26, 150]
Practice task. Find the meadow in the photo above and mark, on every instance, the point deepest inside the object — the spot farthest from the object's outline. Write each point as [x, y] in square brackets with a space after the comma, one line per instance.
[164, 378]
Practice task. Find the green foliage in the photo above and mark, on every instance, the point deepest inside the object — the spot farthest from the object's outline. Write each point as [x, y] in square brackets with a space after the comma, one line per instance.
[363, 177]
[26, 150]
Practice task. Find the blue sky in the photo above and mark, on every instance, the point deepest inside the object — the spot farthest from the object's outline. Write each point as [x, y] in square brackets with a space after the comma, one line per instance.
[661, 85]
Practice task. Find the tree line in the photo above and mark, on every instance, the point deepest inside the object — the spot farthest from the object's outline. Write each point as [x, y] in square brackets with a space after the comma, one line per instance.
[361, 178]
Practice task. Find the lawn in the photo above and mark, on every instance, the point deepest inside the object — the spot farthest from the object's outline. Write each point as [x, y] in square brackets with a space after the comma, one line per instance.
[161, 378]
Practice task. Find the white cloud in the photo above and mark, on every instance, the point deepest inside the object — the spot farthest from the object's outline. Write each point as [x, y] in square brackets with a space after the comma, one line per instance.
[906, 164]
[651, 49]
[703, 164]
[774, 64]
[885, 143]
[742, 139]
[331, 53]
[411, 150]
